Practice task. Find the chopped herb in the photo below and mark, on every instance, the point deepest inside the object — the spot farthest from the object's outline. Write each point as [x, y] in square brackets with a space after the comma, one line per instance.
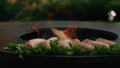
[58, 50]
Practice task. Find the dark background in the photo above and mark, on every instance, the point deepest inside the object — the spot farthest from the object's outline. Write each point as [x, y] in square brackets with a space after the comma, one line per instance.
[37, 10]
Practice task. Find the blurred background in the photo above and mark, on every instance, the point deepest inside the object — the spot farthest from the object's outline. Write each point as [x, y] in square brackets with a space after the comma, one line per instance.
[40, 10]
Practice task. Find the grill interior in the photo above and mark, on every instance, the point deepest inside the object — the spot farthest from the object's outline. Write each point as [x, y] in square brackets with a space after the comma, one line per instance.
[82, 33]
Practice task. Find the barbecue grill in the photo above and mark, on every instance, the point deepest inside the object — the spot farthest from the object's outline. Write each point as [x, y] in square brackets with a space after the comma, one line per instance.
[20, 32]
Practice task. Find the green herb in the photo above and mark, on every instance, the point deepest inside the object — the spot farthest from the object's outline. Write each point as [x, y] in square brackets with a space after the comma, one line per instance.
[15, 48]
[100, 50]
[56, 49]
[115, 50]
[77, 50]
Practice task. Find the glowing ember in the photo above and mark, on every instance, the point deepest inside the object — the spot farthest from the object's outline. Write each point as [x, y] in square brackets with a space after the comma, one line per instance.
[70, 32]
[35, 27]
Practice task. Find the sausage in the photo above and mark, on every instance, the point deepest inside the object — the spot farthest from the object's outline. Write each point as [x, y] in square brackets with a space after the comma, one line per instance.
[97, 43]
[86, 46]
[35, 42]
[106, 41]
